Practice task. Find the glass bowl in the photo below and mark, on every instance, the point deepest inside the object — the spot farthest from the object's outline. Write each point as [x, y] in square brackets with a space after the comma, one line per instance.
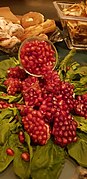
[73, 18]
[24, 43]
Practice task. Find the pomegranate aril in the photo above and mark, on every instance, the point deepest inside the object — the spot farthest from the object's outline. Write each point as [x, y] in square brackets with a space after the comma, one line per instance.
[21, 137]
[10, 152]
[25, 156]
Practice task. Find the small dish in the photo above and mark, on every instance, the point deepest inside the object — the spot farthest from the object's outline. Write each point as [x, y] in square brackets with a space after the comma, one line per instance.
[73, 18]
[30, 53]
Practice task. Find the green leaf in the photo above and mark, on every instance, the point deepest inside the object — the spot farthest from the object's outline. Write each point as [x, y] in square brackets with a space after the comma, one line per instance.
[5, 114]
[21, 167]
[10, 98]
[65, 62]
[82, 135]
[2, 87]
[47, 162]
[82, 70]
[5, 159]
[27, 139]
[4, 132]
[82, 123]
[78, 151]
[83, 80]
[4, 65]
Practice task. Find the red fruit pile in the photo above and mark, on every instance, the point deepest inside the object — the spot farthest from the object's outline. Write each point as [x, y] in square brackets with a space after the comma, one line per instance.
[48, 102]
[31, 91]
[13, 85]
[16, 72]
[64, 129]
[36, 54]
[4, 104]
[80, 106]
[35, 126]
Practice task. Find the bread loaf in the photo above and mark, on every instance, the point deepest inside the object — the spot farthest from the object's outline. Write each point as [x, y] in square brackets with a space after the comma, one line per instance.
[31, 18]
[8, 15]
[45, 27]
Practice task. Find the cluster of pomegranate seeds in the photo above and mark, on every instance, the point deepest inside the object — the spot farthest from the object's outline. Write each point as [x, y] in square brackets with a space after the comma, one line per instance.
[80, 106]
[48, 108]
[35, 54]
[67, 91]
[13, 85]
[52, 80]
[31, 91]
[16, 72]
[35, 126]
[4, 104]
[46, 101]
[64, 129]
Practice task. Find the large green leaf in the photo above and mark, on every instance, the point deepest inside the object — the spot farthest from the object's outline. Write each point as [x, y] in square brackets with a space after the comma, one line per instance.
[82, 123]
[5, 159]
[78, 151]
[21, 167]
[27, 139]
[47, 162]
[5, 114]
[4, 65]
[10, 98]
[4, 132]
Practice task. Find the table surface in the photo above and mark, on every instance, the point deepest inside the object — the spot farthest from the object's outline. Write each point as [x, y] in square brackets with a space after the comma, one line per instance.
[45, 7]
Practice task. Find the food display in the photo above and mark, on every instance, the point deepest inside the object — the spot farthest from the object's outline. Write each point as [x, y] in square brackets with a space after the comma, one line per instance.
[14, 29]
[43, 100]
[74, 22]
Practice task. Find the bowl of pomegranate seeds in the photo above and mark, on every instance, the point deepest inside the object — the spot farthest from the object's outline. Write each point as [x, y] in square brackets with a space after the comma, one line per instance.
[36, 54]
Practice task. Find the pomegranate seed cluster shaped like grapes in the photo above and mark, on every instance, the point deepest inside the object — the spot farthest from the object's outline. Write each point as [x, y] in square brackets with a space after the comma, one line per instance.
[16, 72]
[35, 126]
[80, 106]
[36, 54]
[31, 91]
[13, 85]
[64, 129]
[4, 104]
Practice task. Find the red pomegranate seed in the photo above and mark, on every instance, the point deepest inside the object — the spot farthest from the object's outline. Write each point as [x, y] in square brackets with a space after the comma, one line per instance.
[9, 151]
[21, 137]
[25, 156]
